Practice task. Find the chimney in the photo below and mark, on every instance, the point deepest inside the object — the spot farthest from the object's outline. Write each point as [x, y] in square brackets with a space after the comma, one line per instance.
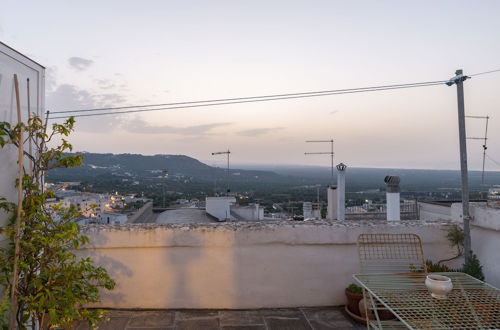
[393, 207]
[341, 191]
[331, 211]
[307, 210]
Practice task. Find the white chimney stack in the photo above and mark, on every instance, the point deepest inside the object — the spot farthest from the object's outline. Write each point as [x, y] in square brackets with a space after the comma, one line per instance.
[393, 198]
[307, 210]
[331, 211]
[341, 191]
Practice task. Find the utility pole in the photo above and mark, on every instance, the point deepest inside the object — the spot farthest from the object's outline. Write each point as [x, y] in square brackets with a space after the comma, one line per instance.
[323, 153]
[459, 81]
[227, 170]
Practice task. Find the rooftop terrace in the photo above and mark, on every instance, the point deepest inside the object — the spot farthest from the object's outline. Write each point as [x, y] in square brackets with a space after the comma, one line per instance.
[262, 319]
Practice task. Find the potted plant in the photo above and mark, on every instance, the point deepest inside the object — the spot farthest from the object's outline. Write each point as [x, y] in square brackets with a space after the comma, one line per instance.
[355, 307]
[354, 294]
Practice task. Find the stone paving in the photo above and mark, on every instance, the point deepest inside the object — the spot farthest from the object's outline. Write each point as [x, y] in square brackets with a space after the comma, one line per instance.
[317, 318]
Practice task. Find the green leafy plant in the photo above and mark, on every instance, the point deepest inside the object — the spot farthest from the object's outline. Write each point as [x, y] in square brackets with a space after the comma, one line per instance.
[354, 288]
[54, 284]
[439, 268]
[455, 237]
[416, 269]
[473, 267]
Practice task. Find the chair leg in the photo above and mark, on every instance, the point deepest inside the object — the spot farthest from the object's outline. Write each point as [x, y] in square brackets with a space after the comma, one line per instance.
[367, 316]
[374, 308]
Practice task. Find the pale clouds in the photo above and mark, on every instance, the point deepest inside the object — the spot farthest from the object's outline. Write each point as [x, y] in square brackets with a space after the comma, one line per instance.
[105, 83]
[79, 63]
[50, 78]
[140, 126]
[71, 97]
[259, 131]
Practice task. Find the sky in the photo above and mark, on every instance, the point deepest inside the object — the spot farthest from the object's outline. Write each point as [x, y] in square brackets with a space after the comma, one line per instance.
[116, 53]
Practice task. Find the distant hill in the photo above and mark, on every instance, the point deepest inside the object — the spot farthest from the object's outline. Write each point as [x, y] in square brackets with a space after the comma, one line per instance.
[187, 173]
[358, 178]
[141, 166]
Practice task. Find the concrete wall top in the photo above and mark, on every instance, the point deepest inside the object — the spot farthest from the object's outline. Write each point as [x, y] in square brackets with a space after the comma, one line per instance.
[247, 233]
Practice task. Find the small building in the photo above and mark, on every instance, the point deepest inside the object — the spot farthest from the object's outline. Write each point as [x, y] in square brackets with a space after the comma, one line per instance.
[226, 209]
[220, 207]
[111, 218]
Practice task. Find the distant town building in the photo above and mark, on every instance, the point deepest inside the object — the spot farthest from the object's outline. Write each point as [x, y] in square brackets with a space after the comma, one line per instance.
[111, 218]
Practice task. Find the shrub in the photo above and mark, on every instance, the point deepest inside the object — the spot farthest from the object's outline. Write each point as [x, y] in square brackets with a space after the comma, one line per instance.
[473, 267]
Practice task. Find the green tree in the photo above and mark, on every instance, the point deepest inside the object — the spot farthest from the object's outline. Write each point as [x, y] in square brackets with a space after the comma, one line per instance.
[54, 284]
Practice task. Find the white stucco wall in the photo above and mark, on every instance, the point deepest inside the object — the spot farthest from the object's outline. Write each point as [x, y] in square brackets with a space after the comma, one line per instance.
[219, 207]
[485, 232]
[12, 62]
[248, 213]
[429, 211]
[485, 237]
[239, 265]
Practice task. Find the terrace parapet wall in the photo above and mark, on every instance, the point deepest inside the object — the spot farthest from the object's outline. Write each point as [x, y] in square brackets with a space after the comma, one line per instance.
[237, 265]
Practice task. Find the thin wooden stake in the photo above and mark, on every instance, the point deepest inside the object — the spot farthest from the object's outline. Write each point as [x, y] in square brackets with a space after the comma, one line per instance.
[42, 149]
[30, 150]
[20, 159]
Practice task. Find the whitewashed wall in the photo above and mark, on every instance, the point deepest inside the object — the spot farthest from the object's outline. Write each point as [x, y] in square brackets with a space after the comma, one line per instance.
[485, 236]
[485, 232]
[12, 62]
[430, 211]
[239, 265]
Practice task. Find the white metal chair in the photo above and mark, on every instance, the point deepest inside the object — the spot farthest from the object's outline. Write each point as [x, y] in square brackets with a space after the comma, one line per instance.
[388, 253]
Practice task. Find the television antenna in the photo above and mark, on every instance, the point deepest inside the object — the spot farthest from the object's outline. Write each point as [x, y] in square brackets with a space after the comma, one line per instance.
[227, 170]
[164, 175]
[323, 153]
[485, 140]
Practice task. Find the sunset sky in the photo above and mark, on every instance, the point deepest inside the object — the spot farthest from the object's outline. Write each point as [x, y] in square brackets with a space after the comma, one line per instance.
[114, 53]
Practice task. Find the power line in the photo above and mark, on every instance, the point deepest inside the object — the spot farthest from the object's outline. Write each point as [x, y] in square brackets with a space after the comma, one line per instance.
[494, 161]
[485, 72]
[247, 100]
[327, 92]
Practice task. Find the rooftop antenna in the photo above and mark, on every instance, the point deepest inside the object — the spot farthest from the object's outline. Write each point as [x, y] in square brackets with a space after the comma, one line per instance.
[164, 175]
[227, 170]
[323, 153]
[318, 206]
[485, 140]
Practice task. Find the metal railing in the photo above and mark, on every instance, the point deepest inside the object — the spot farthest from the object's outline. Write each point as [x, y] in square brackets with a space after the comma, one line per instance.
[409, 211]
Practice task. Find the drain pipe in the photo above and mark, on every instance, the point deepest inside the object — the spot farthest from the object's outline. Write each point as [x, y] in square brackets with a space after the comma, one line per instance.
[341, 191]
[393, 198]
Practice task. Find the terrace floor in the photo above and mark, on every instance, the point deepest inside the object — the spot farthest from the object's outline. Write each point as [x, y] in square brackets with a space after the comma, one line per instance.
[317, 318]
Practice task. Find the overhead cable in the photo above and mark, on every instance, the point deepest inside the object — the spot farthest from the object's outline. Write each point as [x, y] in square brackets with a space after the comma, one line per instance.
[196, 104]
[328, 92]
[494, 161]
[485, 72]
